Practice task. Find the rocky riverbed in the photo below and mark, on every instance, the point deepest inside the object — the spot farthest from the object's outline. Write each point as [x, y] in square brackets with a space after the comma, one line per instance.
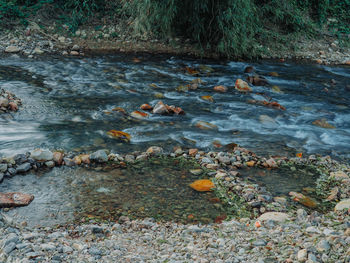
[259, 227]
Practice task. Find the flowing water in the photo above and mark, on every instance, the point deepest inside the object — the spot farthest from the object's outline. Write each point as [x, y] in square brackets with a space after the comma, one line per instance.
[68, 102]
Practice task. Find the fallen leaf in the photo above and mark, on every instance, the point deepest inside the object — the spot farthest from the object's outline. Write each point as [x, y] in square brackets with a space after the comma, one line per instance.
[192, 71]
[303, 199]
[323, 124]
[203, 185]
[119, 135]
[207, 98]
[139, 114]
[300, 155]
[250, 163]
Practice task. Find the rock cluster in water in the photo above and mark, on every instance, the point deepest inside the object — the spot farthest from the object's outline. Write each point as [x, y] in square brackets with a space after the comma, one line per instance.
[8, 101]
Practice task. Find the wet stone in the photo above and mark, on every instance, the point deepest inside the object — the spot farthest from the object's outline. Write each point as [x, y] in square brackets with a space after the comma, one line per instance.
[3, 167]
[9, 248]
[25, 167]
[99, 156]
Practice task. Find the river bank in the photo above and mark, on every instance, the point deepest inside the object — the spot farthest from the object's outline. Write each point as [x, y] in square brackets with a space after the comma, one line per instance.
[38, 39]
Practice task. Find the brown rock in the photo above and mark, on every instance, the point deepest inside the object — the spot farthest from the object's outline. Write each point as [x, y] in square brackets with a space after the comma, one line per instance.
[58, 157]
[15, 199]
[77, 160]
[74, 53]
[220, 88]
[146, 107]
[192, 152]
[13, 106]
[85, 158]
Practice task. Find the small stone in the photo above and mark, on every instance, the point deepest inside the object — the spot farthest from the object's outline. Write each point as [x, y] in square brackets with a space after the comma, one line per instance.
[48, 247]
[68, 162]
[142, 157]
[23, 168]
[302, 255]
[38, 51]
[57, 157]
[12, 49]
[192, 152]
[62, 39]
[344, 204]
[196, 171]
[323, 246]
[160, 108]
[75, 48]
[154, 150]
[129, 158]
[99, 156]
[50, 164]
[312, 229]
[271, 163]
[259, 243]
[339, 175]
[274, 216]
[9, 248]
[3, 167]
[74, 53]
[95, 251]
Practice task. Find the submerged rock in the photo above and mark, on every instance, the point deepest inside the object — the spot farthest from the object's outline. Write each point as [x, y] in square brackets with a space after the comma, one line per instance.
[15, 199]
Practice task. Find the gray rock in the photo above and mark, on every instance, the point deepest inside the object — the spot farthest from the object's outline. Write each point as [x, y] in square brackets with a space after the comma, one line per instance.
[25, 167]
[274, 216]
[129, 158]
[68, 162]
[4, 102]
[12, 171]
[50, 164]
[3, 167]
[99, 156]
[9, 248]
[312, 258]
[48, 247]
[206, 160]
[259, 243]
[20, 158]
[323, 246]
[11, 238]
[42, 155]
[95, 251]
[1, 177]
[302, 255]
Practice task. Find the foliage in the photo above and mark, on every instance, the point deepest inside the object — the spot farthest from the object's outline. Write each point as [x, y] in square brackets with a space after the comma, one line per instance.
[232, 28]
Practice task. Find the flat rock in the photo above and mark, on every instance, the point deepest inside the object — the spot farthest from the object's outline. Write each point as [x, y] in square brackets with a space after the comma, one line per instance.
[12, 49]
[15, 199]
[274, 216]
[344, 204]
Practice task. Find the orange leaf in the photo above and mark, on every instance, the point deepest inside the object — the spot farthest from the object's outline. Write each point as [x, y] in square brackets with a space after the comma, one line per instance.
[202, 185]
[120, 135]
[300, 155]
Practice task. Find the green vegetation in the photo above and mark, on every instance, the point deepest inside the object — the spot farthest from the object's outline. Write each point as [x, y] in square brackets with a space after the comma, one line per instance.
[231, 28]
